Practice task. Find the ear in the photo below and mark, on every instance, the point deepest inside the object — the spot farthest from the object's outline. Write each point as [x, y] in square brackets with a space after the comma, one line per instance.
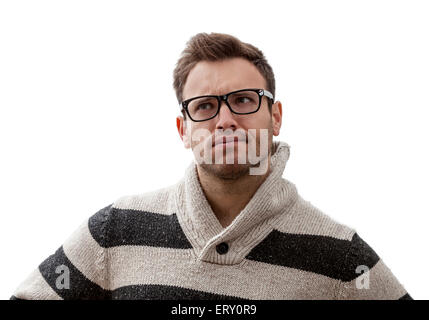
[183, 132]
[276, 115]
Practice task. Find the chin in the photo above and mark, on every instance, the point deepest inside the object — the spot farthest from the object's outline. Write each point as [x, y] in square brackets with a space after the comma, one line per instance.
[226, 171]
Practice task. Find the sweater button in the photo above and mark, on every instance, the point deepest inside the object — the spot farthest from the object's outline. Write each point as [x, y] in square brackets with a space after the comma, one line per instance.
[222, 248]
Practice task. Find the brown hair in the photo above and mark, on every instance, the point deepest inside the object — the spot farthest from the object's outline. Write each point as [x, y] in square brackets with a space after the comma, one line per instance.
[214, 47]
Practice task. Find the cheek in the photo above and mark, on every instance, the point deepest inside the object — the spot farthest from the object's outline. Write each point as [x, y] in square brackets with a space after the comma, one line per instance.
[261, 122]
[262, 127]
[198, 133]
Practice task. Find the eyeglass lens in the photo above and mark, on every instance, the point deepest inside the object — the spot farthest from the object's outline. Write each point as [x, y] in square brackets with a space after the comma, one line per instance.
[240, 102]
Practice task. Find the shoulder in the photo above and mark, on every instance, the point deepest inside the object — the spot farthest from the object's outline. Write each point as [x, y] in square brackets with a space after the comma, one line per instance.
[158, 201]
[339, 239]
[140, 219]
[307, 219]
[306, 238]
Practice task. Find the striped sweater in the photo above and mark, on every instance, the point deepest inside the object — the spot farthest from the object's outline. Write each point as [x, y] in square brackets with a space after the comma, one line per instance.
[168, 244]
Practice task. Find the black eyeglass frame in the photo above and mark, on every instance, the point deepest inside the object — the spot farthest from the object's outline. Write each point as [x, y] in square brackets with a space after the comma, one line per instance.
[261, 92]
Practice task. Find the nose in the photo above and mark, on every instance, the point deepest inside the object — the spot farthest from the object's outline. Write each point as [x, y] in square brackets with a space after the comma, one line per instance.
[225, 118]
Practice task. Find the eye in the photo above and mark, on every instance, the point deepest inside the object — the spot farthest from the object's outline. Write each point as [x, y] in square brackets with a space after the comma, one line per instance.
[205, 106]
[243, 99]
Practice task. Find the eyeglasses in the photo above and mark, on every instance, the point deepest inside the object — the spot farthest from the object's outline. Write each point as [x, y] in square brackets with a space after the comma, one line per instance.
[244, 101]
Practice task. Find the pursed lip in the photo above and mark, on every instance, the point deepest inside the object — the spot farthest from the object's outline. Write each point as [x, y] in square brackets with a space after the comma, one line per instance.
[226, 139]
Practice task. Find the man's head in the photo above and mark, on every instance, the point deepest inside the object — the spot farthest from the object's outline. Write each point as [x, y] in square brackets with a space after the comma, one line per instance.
[216, 64]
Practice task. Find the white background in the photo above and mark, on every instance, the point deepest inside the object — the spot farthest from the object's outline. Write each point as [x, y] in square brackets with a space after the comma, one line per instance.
[88, 114]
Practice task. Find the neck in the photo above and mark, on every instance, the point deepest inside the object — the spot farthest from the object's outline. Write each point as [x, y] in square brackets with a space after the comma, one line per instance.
[228, 198]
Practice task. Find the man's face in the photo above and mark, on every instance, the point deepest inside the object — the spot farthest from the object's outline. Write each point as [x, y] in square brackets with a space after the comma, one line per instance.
[218, 78]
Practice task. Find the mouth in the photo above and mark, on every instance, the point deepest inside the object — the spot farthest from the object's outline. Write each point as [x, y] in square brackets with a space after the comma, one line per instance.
[228, 140]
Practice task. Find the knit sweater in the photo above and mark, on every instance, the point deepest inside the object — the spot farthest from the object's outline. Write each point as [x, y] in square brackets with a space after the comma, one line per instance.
[168, 244]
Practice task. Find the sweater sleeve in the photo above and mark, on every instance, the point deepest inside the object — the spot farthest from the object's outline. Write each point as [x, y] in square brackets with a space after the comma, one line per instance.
[78, 270]
[368, 277]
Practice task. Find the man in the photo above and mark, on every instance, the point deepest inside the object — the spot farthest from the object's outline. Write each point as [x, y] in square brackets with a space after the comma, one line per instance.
[232, 228]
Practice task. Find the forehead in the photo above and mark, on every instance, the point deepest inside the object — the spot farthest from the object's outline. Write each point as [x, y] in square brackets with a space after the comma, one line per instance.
[220, 77]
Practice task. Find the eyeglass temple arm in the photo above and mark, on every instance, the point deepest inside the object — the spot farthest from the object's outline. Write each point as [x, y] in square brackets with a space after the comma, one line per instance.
[268, 94]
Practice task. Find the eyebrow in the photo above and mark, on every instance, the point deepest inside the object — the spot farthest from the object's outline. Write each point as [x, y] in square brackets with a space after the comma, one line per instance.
[216, 92]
